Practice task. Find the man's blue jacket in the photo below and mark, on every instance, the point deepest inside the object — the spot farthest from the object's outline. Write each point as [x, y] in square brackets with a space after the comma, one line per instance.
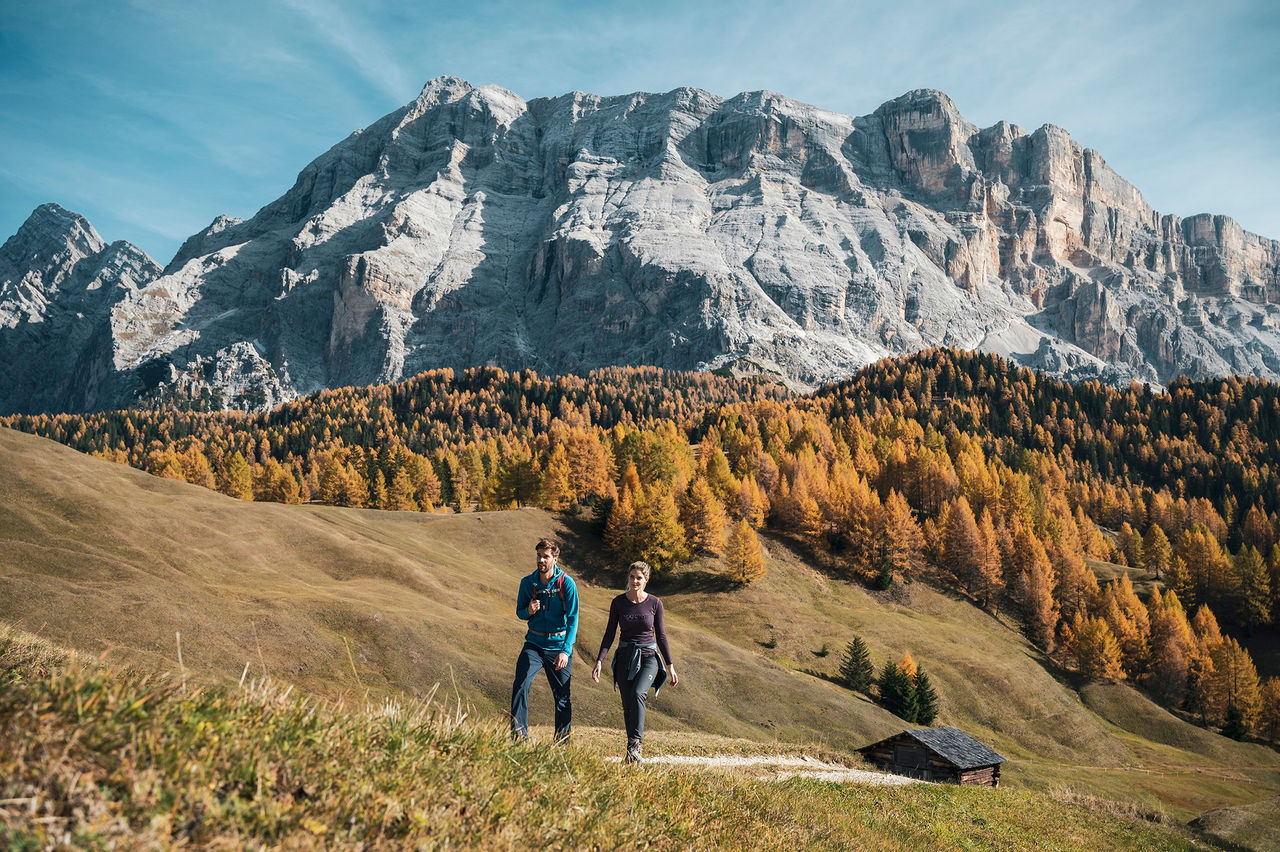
[554, 627]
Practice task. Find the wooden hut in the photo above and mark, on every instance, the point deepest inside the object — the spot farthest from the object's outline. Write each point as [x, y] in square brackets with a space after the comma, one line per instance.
[937, 754]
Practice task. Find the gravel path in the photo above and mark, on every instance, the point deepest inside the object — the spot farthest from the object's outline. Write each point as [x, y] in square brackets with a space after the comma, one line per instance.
[775, 768]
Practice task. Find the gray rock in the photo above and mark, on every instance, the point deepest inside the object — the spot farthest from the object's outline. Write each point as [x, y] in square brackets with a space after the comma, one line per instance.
[677, 229]
[58, 284]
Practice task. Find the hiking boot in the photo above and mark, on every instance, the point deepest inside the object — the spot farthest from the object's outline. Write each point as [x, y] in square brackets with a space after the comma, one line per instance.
[633, 752]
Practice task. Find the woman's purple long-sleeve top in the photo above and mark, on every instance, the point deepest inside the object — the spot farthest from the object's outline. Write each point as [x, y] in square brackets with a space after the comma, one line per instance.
[640, 624]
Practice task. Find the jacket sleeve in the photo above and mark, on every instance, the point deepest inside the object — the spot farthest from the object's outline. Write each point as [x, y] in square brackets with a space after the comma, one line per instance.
[523, 598]
[570, 613]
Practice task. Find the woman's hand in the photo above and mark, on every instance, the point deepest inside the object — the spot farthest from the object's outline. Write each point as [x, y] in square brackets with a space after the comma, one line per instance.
[595, 673]
[671, 670]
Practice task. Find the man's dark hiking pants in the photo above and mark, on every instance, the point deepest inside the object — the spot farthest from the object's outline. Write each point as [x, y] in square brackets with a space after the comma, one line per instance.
[531, 660]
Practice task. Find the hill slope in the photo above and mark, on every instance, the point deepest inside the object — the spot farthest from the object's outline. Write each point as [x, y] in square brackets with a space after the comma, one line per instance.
[104, 558]
[99, 758]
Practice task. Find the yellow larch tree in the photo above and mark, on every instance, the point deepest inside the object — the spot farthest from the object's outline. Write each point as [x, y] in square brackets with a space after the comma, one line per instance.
[1269, 708]
[749, 503]
[237, 479]
[555, 491]
[1233, 684]
[1172, 644]
[903, 539]
[1095, 648]
[743, 557]
[703, 518]
[907, 665]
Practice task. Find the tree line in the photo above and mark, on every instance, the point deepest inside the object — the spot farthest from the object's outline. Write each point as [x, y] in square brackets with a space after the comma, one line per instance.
[948, 466]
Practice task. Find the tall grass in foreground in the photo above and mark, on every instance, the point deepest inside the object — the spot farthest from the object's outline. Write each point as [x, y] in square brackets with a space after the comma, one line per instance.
[91, 757]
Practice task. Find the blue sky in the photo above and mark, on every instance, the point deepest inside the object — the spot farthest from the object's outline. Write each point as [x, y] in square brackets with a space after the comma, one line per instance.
[152, 117]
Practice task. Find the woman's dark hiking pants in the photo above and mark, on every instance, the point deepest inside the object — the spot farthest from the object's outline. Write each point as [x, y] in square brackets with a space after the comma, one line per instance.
[635, 699]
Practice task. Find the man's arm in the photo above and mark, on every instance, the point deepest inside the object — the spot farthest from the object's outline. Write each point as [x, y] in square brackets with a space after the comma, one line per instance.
[522, 599]
[570, 613]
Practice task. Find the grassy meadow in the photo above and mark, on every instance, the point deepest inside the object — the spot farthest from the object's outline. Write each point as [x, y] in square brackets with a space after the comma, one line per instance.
[391, 627]
[93, 757]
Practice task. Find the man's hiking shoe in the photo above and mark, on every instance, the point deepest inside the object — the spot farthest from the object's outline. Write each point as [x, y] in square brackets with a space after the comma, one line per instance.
[633, 752]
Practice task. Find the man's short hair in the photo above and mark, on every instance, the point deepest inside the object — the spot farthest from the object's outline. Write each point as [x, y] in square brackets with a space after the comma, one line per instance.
[547, 544]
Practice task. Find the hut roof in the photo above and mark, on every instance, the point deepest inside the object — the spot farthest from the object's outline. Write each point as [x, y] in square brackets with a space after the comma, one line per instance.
[954, 744]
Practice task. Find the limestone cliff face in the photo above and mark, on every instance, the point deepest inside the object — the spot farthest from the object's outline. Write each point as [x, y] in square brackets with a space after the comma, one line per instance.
[677, 229]
[58, 283]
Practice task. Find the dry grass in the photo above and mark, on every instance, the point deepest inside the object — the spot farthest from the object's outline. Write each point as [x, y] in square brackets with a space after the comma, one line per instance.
[94, 758]
[359, 605]
[1245, 826]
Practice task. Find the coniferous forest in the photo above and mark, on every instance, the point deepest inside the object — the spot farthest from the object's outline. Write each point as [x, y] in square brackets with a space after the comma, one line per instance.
[953, 468]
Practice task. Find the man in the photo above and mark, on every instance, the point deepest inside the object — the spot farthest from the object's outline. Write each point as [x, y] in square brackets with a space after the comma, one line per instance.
[548, 600]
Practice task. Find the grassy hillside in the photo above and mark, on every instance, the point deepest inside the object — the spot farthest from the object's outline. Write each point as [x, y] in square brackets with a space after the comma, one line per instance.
[343, 602]
[91, 758]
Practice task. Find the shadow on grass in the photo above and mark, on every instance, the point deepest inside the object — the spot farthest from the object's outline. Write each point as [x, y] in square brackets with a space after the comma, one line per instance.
[581, 543]
[587, 560]
[694, 581]
[824, 676]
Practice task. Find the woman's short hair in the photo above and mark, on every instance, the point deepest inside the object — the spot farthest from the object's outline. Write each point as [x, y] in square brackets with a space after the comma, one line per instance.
[547, 544]
[642, 567]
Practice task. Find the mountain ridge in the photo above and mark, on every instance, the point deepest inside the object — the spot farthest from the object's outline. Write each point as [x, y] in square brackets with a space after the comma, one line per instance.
[684, 230]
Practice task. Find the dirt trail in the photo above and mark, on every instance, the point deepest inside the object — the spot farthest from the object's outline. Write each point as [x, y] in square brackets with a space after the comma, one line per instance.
[775, 768]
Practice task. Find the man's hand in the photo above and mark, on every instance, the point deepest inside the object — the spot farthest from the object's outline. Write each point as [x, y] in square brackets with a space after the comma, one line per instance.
[562, 660]
[534, 606]
[595, 673]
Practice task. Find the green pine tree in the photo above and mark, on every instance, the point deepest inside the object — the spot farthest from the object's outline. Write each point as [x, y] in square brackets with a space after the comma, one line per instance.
[856, 671]
[926, 700]
[897, 692]
[1233, 725]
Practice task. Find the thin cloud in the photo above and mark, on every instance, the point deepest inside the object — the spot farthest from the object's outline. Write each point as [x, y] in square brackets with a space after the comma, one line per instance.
[229, 100]
[138, 205]
[361, 45]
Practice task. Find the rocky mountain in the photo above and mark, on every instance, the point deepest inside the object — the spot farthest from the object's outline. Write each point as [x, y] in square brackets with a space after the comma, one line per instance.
[679, 229]
[58, 285]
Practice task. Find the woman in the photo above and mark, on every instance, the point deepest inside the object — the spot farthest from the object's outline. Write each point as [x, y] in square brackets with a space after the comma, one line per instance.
[643, 659]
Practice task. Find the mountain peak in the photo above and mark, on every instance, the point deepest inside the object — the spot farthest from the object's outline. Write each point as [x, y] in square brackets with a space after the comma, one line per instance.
[52, 224]
[928, 140]
[443, 89]
[923, 101]
[758, 234]
[204, 242]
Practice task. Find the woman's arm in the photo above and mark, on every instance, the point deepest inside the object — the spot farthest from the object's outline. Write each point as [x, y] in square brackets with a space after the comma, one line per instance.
[660, 635]
[659, 631]
[610, 631]
[607, 641]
